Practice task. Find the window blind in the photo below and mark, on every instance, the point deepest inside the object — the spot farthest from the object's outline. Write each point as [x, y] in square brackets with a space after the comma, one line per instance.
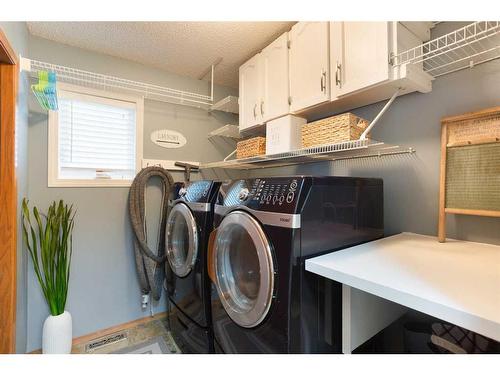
[97, 137]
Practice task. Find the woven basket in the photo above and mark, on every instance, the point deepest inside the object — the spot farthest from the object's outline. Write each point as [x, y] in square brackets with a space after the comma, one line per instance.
[335, 129]
[251, 147]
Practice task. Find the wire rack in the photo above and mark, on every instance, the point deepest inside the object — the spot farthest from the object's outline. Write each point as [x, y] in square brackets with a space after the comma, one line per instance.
[228, 104]
[338, 151]
[466, 47]
[105, 82]
[227, 131]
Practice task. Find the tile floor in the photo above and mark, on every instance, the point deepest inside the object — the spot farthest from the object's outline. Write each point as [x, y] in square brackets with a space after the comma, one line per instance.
[136, 335]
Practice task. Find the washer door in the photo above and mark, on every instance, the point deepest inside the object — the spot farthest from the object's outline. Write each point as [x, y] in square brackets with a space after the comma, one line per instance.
[244, 269]
[182, 240]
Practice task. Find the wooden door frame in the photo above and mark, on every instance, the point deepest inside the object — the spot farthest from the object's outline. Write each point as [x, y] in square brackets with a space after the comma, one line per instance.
[8, 195]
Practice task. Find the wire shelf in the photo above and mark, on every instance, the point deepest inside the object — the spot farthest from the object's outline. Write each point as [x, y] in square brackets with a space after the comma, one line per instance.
[227, 131]
[105, 82]
[228, 104]
[338, 151]
[466, 47]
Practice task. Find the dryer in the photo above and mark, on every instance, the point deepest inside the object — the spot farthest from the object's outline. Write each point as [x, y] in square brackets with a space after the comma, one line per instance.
[265, 301]
[188, 226]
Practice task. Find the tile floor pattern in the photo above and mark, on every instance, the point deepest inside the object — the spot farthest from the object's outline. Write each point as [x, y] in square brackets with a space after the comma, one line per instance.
[137, 335]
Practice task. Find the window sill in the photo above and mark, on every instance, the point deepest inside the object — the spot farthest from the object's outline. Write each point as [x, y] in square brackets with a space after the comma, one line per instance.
[98, 183]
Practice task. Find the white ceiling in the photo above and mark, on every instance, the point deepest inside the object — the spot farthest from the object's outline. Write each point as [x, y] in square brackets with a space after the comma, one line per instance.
[184, 48]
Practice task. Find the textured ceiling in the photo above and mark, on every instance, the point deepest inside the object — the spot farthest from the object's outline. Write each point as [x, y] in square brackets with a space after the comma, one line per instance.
[184, 48]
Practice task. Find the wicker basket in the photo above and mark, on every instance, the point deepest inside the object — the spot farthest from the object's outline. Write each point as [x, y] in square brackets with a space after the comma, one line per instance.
[251, 147]
[335, 129]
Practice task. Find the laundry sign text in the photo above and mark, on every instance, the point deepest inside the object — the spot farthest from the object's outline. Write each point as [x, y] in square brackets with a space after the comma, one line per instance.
[168, 138]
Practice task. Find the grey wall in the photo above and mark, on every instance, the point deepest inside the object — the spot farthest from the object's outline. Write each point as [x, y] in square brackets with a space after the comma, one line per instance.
[411, 183]
[104, 290]
[17, 34]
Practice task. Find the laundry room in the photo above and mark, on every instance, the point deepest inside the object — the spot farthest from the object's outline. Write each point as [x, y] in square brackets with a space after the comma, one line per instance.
[299, 183]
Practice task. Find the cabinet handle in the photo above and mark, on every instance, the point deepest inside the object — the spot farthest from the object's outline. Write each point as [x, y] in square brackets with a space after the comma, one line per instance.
[262, 108]
[323, 80]
[338, 71]
[255, 111]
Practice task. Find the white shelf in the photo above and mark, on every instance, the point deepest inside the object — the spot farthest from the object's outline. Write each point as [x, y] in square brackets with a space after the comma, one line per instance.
[228, 131]
[457, 281]
[466, 47]
[338, 151]
[228, 104]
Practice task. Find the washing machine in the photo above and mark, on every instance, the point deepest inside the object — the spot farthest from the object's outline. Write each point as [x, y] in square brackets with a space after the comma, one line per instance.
[188, 226]
[265, 229]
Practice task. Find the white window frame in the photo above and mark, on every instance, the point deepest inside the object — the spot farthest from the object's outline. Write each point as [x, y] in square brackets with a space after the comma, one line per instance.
[53, 138]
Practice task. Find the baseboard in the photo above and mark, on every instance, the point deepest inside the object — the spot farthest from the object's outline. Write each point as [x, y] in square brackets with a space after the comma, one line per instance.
[107, 331]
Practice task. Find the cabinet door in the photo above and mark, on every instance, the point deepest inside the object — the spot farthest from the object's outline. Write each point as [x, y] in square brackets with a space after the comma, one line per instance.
[359, 55]
[309, 64]
[250, 93]
[275, 90]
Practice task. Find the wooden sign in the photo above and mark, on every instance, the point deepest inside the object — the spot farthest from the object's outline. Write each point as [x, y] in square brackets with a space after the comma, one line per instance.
[470, 166]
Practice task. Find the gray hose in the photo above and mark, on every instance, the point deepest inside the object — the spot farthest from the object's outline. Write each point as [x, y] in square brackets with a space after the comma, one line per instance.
[149, 264]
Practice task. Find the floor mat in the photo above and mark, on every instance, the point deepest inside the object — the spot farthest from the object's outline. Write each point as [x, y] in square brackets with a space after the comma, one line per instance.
[134, 338]
[156, 345]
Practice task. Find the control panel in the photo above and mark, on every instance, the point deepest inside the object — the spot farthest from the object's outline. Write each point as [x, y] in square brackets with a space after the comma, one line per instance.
[277, 194]
[197, 191]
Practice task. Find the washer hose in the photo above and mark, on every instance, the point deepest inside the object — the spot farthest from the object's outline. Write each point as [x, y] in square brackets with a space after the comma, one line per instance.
[149, 264]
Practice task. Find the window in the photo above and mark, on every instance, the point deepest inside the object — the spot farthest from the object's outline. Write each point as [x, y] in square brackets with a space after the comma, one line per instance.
[95, 138]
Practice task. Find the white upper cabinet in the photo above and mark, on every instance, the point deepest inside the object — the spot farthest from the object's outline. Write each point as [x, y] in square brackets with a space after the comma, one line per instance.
[275, 90]
[359, 55]
[320, 67]
[264, 85]
[250, 93]
[309, 65]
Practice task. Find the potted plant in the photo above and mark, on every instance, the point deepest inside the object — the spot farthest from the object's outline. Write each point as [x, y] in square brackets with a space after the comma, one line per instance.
[49, 243]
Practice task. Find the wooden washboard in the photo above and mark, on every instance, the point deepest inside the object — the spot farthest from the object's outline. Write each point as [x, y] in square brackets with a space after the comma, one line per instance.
[470, 166]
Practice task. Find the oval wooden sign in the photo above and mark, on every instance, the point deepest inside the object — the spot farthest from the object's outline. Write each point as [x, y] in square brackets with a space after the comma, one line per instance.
[168, 138]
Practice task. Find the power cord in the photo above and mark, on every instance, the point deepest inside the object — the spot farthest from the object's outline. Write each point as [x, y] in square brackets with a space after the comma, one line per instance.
[167, 299]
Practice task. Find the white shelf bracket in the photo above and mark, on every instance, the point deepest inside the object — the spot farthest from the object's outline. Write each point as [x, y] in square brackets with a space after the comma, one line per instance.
[379, 115]
[231, 154]
[211, 70]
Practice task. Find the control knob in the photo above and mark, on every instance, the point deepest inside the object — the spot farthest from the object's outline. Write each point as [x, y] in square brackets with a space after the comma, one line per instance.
[243, 195]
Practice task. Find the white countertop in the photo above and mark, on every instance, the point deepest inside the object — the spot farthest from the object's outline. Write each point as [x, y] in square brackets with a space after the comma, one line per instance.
[456, 281]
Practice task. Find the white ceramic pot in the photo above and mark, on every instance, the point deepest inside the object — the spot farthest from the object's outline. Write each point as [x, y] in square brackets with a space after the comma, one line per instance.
[57, 334]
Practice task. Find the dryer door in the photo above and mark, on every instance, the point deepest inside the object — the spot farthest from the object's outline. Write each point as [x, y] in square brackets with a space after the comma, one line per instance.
[182, 240]
[244, 269]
